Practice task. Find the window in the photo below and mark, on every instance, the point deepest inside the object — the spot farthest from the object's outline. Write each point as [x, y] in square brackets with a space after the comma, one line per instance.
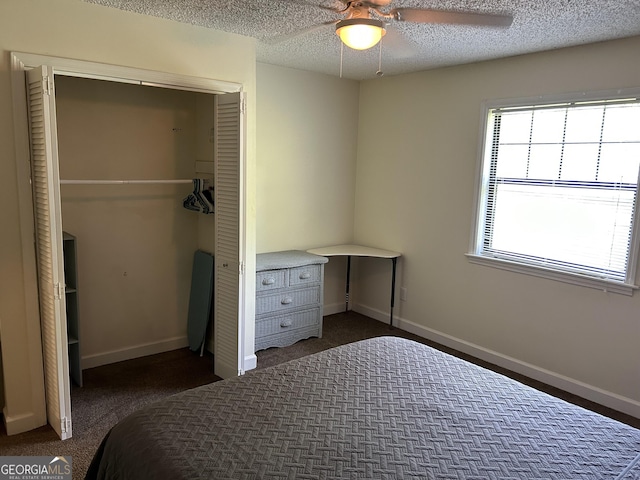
[558, 189]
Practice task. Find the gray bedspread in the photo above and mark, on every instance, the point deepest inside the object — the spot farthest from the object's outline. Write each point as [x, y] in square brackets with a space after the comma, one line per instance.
[380, 408]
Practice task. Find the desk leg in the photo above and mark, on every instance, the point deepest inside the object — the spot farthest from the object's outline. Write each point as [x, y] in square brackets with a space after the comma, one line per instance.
[346, 295]
[393, 289]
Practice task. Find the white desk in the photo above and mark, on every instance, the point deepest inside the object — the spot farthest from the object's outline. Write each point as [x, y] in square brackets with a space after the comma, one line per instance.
[361, 251]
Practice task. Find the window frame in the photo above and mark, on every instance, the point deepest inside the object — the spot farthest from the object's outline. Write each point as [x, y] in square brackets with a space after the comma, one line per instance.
[483, 165]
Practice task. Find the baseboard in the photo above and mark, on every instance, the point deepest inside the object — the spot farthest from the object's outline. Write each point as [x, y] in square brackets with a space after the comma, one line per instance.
[333, 308]
[576, 387]
[250, 362]
[136, 351]
[20, 423]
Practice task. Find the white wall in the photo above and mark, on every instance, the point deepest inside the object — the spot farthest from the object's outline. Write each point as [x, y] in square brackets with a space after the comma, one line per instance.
[415, 194]
[306, 140]
[74, 29]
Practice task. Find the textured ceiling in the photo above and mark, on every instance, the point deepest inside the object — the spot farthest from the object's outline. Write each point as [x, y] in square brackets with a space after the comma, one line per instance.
[537, 25]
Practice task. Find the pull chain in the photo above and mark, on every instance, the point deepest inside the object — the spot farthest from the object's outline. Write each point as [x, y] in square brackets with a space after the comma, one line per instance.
[380, 72]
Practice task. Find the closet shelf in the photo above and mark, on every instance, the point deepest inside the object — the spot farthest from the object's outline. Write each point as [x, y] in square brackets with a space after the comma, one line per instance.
[70, 251]
[123, 182]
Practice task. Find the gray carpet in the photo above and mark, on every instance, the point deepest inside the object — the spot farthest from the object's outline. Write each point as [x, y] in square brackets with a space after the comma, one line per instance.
[111, 392]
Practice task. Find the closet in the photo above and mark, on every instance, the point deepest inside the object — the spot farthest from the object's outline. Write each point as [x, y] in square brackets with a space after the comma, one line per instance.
[135, 240]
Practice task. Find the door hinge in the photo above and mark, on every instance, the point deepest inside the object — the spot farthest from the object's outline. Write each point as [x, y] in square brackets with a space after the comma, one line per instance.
[65, 424]
[47, 85]
[241, 268]
[243, 106]
[58, 291]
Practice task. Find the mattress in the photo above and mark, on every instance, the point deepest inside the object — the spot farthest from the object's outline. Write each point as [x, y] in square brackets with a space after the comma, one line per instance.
[382, 408]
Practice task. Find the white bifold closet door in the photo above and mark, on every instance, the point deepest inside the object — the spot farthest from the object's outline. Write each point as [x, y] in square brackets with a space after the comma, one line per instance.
[45, 180]
[228, 127]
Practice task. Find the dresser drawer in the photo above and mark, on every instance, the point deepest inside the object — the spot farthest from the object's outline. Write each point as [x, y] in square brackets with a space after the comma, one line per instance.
[287, 322]
[305, 274]
[287, 338]
[287, 300]
[271, 280]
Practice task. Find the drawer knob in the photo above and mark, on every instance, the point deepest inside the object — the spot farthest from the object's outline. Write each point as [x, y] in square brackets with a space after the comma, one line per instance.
[268, 281]
[305, 275]
[285, 323]
[286, 300]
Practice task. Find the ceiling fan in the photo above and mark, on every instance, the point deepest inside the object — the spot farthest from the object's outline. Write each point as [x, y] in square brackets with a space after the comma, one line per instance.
[365, 21]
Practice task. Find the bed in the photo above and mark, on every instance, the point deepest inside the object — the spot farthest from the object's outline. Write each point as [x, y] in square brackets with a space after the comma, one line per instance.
[380, 408]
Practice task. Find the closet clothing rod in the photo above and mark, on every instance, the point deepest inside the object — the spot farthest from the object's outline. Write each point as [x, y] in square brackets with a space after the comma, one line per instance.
[122, 182]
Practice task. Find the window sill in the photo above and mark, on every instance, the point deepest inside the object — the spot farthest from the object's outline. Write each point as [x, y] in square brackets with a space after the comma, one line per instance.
[566, 277]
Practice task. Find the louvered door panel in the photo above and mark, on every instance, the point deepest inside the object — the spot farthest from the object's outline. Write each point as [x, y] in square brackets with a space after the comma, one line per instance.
[228, 138]
[48, 229]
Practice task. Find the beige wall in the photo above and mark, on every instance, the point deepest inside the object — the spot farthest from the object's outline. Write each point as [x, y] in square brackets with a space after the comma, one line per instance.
[415, 194]
[306, 137]
[78, 30]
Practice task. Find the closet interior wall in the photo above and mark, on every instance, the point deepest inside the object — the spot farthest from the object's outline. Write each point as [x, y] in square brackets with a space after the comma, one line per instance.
[135, 242]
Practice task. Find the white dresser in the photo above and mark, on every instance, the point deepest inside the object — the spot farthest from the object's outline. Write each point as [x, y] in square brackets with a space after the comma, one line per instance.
[289, 297]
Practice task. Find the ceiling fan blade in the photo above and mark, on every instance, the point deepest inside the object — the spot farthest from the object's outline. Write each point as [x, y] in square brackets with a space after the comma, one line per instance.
[303, 31]
[307, 3]
[418, 15]
[398, 44]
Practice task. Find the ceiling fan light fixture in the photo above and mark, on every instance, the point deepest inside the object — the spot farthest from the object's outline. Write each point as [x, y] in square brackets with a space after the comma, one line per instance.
[360, 33]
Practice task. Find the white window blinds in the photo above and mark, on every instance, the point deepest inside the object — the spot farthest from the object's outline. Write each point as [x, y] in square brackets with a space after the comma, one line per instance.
[560, 187]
